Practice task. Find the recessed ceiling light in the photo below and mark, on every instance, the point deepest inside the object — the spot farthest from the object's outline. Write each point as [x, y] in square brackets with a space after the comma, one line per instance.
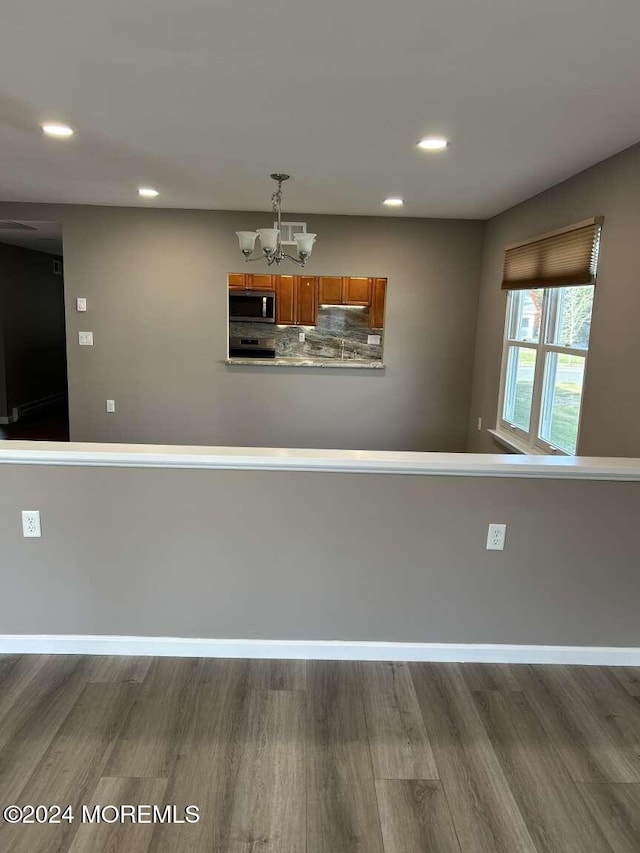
[393, 201]
[148, 192]
[433, 143]
[59, 130]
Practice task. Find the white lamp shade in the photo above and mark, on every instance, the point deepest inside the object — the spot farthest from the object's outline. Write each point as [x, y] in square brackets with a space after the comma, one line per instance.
[304, 242]
[247, 240]
[268, 238]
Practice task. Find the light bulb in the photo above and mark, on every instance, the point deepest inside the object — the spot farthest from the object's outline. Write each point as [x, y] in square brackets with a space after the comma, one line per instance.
[247, 240]
[268, 238]
[62, 131]
[433, 143]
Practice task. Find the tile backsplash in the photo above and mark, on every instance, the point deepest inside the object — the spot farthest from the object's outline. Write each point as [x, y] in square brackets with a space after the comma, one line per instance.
[336, 323]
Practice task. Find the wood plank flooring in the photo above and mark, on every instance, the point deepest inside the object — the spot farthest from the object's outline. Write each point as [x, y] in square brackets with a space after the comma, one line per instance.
[321, 757]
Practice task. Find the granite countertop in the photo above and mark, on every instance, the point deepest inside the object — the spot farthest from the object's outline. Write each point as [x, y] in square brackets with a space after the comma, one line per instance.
[350, 363]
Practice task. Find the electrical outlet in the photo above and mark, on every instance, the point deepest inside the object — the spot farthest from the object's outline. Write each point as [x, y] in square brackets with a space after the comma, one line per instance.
[85, 339]
[301, 337]
[373, 340]
[31, 523]
[81, 303]
[111, 406]
[496, 537]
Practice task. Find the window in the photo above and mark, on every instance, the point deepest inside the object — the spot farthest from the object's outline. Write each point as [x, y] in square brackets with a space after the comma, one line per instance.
[288, 230]
[544, 360]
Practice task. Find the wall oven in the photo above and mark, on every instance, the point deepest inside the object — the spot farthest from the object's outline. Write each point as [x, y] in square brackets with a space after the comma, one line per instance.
[252, 306]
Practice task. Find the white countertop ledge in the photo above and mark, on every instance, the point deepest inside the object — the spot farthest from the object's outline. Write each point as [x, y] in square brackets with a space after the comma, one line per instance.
[289, 459]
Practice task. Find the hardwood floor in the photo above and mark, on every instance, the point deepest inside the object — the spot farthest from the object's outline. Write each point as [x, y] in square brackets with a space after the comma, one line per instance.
[321, 757]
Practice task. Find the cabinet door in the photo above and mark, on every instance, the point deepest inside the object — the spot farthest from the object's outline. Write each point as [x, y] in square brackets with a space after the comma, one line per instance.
[307, 300]
[378, 299]
[237, 280]
[330, 290]
[285, 287]
[357, 291]
[260, 282]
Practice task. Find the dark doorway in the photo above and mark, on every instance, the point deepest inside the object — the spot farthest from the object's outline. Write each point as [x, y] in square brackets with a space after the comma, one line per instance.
[34, 400]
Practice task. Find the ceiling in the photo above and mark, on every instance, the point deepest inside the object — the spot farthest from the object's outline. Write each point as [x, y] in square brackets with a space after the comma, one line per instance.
[204, 99]
[40, 236]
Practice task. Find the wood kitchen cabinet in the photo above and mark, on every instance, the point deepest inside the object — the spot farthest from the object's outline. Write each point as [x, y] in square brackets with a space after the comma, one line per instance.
[331, 288]
[250, 281]
[260, 281]
[344, 290]
[356, 291]
[286, 301]
[237, 281]
[307, 308]
[296, 300]
[378, 299]
[298, 296]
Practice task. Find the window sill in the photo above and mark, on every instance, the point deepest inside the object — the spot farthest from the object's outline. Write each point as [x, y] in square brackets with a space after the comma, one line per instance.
[516, 445]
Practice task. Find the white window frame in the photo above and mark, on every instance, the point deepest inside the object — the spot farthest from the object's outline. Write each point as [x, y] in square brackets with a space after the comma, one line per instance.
[530, 440]
[301, 225]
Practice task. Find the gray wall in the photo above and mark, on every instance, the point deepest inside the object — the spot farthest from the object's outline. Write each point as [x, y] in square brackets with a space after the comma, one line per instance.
[611, 409]
[155, 281]
[33, 327]
[278, 555]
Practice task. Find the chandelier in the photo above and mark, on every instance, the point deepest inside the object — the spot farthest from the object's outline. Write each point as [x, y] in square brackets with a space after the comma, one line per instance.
[270, 237]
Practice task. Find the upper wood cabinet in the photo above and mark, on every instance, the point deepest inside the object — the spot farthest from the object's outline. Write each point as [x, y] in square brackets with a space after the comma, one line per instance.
[237, 281]
[260, 281]
[344, 290]
[378, 299]
[330, 290]
[307, 309]
[298, 296]
[296, 300]
[356, 291]
[251, 281]
[286, 301]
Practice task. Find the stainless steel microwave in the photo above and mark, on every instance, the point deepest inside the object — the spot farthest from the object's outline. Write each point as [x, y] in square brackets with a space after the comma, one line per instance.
[252, 306]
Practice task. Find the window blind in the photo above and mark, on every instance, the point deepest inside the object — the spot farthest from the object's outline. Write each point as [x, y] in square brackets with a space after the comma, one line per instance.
[560, 259]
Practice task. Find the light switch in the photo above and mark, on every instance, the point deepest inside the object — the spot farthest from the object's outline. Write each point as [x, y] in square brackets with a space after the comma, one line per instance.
[111, 406]
[81, 303]
[85, 339]
[373, 339]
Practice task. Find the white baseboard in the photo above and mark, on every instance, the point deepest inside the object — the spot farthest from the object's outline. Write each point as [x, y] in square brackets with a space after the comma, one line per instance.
[5, 420]
[77, 644]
